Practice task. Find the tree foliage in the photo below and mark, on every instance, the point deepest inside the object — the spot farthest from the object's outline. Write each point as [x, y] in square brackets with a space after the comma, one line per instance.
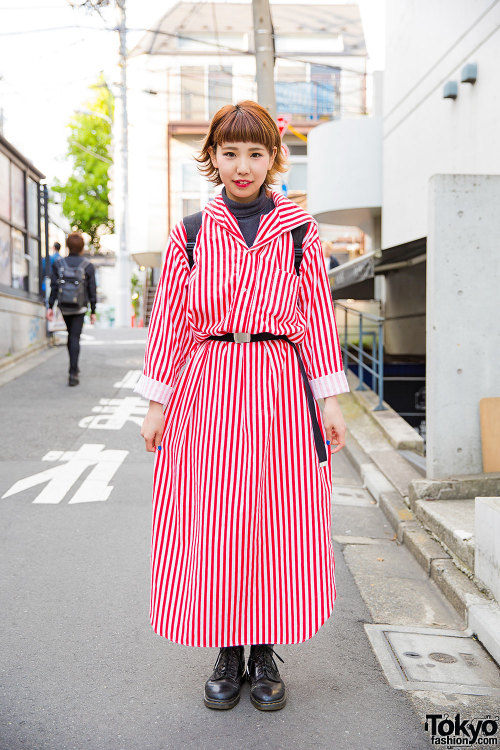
[85, 195]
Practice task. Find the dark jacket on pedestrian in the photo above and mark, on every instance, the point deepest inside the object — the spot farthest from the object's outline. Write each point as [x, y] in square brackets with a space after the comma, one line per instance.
[90, 285]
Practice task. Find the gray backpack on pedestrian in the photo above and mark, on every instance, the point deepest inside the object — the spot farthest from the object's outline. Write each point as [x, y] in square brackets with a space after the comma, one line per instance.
[71, 285]
[192, 223]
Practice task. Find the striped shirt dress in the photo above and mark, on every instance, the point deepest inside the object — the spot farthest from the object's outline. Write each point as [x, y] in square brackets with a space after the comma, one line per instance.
[241, 549]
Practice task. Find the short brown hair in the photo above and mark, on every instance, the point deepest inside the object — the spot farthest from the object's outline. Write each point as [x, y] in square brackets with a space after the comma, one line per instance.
[74, 243]
[247, 122]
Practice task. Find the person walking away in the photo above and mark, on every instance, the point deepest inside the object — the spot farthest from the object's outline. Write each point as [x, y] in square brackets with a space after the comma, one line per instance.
[72, 284]
[47, 268]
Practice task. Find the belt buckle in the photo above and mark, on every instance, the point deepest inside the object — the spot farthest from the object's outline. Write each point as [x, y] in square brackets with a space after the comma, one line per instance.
[242, 338]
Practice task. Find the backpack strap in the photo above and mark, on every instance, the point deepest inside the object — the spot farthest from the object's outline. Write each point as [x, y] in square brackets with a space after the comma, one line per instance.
[61, 265]
[84, 265]
[192, 223]
[298, 235]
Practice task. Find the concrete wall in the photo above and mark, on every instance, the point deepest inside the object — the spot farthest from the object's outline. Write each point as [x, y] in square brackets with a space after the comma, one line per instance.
[428, 43]
[22, 323]
[463, 321]
[487, 550]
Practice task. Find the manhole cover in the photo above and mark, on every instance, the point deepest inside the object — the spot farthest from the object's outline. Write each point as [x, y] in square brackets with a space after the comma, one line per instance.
[356, 496]
[434, 659]
[446, 658]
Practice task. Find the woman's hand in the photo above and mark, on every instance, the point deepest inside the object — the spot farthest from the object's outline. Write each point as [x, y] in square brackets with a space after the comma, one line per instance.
[93, 318]
[152, 427]
[334, 423]
[50, 314]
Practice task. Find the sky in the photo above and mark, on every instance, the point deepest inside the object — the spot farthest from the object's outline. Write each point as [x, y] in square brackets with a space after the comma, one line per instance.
[50, 53]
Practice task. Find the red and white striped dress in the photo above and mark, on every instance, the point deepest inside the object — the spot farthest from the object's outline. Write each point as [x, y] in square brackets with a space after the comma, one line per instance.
[241, 548]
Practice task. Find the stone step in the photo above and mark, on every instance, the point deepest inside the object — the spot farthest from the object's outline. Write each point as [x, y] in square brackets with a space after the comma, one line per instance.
[452, 522]
[373, 441]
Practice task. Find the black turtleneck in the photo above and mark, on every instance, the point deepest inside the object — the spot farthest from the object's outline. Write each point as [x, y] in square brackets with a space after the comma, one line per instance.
[248, 214]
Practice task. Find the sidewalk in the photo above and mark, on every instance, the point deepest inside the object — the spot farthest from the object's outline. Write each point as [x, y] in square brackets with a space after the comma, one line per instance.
[81, 666]
[434, 519]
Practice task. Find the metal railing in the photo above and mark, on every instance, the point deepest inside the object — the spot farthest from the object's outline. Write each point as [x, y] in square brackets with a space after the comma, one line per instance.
[356, 353]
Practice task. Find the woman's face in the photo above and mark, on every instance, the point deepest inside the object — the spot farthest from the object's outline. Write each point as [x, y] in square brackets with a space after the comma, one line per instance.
[242, 168]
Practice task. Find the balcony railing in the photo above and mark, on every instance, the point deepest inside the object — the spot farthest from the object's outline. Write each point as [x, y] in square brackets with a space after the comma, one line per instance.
[310, 99]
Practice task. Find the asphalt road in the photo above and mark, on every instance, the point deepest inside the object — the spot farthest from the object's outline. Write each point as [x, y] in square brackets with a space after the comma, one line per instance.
[81, 667]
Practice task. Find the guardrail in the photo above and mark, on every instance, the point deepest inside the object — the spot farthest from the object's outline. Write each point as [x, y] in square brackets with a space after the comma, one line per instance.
[355, 352]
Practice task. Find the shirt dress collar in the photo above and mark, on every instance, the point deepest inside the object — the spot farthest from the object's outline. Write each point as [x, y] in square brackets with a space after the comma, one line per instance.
[285, 216]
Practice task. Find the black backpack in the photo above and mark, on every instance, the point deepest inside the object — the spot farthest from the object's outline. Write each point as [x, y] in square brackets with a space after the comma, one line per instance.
[192, 224]
[71, 286]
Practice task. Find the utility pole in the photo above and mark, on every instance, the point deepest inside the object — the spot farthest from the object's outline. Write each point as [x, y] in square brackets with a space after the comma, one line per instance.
[264, 55]
[122, 256]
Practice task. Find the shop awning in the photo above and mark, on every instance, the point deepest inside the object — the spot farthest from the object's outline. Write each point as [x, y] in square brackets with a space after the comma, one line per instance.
[371, 264]
[353, 272]
[147, 259]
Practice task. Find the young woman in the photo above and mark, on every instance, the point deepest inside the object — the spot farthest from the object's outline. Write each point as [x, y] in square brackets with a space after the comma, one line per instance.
[239, 347]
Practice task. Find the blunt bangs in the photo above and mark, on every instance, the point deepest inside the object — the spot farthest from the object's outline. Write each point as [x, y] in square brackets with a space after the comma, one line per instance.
[246, 122]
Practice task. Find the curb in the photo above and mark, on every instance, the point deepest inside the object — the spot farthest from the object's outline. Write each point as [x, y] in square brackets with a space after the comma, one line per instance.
[482, 615]
[13, 369]
[376, 482]
[8, 361]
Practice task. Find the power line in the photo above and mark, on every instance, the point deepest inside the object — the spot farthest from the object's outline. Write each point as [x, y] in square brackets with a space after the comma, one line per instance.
[53, 28]
[235, 50]
[173, 35]
[92, 153]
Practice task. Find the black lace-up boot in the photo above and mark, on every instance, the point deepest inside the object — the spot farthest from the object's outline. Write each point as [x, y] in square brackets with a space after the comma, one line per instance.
[267, 689]
[222, 689]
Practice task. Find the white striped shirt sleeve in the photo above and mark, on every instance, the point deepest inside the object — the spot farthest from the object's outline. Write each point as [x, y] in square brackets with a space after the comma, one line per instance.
[321, 347]
[169, 336]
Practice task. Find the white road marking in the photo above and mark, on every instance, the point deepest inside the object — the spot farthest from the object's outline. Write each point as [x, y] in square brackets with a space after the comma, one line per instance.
[114, 413]
[62, 477]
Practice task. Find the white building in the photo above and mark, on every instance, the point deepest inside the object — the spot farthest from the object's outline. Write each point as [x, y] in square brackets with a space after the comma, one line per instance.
[434, 162]
[200, 57]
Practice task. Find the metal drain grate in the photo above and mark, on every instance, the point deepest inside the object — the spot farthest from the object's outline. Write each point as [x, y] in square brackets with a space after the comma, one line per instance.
[356, 496]
[450, 661]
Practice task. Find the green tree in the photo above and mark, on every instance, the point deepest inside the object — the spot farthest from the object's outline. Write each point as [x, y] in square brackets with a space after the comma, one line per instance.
[85, 194]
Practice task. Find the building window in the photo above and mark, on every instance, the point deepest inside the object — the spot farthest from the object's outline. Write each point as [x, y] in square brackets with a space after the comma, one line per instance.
[220, 88]
[296, 177]
[33, 246]
[326, 82]
[20, 238]
[310, 99]
[190, 178]
[32, 206]
[4, 254]
[19, 261]
[17, 195]
[190, 206]
[193, 93]
[4, 187]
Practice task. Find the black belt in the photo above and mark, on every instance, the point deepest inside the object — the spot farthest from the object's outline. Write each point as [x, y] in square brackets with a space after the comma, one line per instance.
[246, 338]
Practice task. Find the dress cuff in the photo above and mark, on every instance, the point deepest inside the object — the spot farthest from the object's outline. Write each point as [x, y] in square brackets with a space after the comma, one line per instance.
[153, 390]
[329, 385]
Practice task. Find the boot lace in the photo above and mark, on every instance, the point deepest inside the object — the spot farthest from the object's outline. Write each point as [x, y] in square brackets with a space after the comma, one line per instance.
[265, 666]
[228, 663]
